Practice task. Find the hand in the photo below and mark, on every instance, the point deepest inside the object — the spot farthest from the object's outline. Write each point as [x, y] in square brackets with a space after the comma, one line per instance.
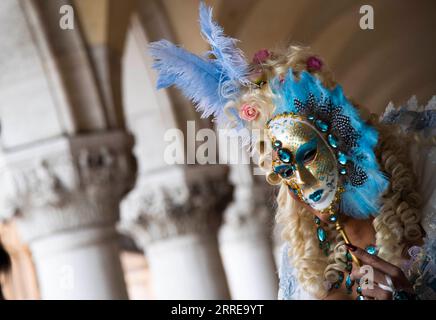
[383, 272]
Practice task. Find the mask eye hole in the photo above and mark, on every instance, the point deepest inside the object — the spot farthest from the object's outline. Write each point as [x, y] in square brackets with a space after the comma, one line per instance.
[309, 156]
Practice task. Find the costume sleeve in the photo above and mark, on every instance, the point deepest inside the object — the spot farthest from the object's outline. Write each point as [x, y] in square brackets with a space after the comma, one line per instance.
[420, 122]
[289, 288]
[422, 266]
[286, 276]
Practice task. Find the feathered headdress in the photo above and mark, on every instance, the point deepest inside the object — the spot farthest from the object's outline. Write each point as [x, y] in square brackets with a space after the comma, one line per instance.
[211, 80]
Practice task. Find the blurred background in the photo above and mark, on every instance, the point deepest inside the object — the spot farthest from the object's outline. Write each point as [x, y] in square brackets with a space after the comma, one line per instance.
[89, 208]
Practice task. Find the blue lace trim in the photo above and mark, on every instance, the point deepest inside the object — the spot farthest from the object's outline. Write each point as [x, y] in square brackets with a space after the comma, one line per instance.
[423, 265]
[287, 281]
[411, 120]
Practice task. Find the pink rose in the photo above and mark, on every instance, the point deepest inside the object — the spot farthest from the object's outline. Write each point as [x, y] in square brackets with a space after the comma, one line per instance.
[261, 56]
[314, 63]
[248, 112]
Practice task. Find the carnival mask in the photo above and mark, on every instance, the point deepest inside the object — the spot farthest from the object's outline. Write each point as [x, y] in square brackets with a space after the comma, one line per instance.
[304, 160]
[322, 149]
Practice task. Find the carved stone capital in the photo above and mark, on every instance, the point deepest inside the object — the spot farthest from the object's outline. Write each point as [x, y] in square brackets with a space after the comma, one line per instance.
[175, 201]
[66, 183]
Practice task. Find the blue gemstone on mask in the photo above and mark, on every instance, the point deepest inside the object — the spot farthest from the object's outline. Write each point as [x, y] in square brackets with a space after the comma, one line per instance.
[321, 125]
[342, 158]
[317, 220]
[371, 250]
[332, 141]
[348, 282]
[294, 191]
[322, 236]
[285, 155]
[310, 118]
[277, 144]
[343, 171]
[333, 218]
[360, 297]
[316, 196]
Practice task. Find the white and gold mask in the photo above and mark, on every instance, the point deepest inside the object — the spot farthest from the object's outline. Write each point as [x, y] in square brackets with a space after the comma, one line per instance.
[303, 158]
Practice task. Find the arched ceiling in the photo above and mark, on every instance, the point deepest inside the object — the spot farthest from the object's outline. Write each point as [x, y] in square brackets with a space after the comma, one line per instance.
[391, 62]
[105, 22]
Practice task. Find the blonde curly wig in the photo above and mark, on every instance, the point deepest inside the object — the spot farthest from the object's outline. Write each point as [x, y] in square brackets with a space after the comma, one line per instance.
[398, 222]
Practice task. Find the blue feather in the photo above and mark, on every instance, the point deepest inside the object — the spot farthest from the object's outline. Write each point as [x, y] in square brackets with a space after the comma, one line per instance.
[229, 58]
[209, 83]
[196, 77]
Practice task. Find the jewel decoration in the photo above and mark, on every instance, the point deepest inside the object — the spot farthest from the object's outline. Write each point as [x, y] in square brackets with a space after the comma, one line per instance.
[316, 195]
[342, 158]
[324, 244]
[284, 155]
[295, 189]
[322, 125]
[277, 144]
[321, 234]
[371, 249]
[349, 284]
[338, 283]
[333, 218]
[332, 141]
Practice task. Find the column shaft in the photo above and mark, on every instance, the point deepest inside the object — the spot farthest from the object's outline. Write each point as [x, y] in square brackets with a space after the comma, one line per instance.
[64, 195]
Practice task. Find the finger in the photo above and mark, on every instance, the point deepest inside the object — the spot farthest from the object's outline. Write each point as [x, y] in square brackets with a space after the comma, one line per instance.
[377, 293]
[374, 261]
[379, 276]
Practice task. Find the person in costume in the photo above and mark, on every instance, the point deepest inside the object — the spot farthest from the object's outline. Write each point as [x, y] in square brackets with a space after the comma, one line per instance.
[350, 194]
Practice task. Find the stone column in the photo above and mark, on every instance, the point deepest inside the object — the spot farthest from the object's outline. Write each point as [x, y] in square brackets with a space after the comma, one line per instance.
[173, 215]
[65, 194]
[246, 238]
